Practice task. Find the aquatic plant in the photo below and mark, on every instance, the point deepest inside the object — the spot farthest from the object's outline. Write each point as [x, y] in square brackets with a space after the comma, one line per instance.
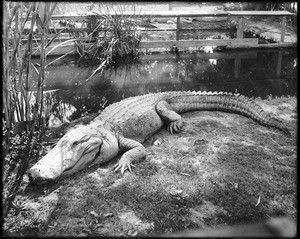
[17, 95]
[115, 33]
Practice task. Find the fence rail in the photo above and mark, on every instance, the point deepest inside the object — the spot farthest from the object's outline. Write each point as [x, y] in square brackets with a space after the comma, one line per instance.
[238, 42]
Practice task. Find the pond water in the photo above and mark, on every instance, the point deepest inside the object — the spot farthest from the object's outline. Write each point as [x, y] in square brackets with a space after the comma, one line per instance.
[264, 73]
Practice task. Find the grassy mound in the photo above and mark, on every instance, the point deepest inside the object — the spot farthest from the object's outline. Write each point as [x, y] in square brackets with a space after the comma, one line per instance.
[223, 169]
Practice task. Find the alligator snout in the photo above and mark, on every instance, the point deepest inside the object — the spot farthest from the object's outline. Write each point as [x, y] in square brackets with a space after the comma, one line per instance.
[35, 177]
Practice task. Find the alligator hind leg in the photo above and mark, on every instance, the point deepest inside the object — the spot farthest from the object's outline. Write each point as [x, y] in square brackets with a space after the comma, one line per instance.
[173, 119]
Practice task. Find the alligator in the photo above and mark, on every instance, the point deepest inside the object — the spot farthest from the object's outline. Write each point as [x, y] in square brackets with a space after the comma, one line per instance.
[123, 126]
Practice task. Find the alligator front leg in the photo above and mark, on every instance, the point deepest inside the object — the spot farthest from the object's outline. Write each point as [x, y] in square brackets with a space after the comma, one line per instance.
[173, 119]
[133, 151]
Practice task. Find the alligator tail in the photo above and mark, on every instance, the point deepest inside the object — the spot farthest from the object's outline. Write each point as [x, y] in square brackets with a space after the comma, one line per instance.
[255, 112]
[227, 102]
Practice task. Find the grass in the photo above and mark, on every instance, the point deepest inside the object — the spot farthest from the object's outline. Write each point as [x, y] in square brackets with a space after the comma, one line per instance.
[211, 174]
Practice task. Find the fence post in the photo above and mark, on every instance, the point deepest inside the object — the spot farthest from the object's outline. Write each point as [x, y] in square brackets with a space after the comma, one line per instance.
[240, 28]
[177, 28]
[283, 25]
[279, 63]
[237, 67]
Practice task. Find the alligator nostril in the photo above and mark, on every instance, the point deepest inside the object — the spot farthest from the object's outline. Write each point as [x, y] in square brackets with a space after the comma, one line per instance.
[34, 176]
[39, 179]
[31, 179]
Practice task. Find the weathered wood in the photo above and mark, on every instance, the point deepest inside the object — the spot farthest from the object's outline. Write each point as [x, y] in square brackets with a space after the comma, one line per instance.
[64, 30]
[237, 67]
[56, 52]
[270, 45]
[279, 64]
[229, 43]
[67, 30]
[189, 56]
[181, 14]
[260, 13]
[177, 28]
[61, 30]
[159, 29]
[240, 28]
[61, 39]
[283, 26]
[147, 14]
[197, 43]
[158, 44]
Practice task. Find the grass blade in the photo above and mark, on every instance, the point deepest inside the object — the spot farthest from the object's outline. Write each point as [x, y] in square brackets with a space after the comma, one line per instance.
[60, 44]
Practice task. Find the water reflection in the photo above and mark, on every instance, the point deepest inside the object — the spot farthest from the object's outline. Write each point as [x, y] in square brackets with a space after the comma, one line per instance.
[252, 73]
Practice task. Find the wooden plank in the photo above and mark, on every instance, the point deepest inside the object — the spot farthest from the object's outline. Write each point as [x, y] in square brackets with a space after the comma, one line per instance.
[61, 39]
[283, 26]
[67, 30]
[66, 17]
[177, 28]
[206, 56]
[181, 14]
[237, 67]
[158, 29]
[175, 14]
[260, 13]
[53, 31]
[279, 64]
[147, 14]
[240, 28]
[197, 43]
[246, 43]
[62, 29]
[57, 52]
[268, 45]
[218, 28]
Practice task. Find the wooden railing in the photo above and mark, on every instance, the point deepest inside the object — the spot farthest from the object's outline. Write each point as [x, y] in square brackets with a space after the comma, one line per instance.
[238, 42]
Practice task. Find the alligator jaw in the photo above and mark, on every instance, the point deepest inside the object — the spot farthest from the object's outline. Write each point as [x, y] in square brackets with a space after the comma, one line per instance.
[37, 180]
[73, 152]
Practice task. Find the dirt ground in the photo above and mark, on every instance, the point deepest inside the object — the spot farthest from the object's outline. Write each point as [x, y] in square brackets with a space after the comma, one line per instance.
[223, 169]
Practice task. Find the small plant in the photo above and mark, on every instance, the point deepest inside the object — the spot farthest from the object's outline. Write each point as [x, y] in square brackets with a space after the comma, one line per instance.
[115, 34]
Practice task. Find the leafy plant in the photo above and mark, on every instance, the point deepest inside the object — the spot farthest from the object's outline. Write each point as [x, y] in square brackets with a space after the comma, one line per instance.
[115, 33]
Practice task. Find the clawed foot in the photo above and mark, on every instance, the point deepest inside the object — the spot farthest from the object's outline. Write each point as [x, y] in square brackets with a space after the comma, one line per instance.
[123, 166]
[175, 126]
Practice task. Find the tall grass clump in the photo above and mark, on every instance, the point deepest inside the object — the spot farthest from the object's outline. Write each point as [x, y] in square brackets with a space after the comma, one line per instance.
[19, 103]
[115, 35]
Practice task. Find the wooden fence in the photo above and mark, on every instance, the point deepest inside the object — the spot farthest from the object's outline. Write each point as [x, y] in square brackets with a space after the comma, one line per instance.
[238, 42]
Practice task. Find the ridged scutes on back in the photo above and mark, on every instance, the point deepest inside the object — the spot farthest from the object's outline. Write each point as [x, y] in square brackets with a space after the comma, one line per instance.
[183, 101]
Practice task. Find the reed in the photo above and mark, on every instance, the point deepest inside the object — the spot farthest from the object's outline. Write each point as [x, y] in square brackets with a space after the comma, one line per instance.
[16, 92]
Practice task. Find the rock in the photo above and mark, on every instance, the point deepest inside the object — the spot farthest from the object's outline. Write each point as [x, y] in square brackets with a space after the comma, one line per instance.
[157, 142]
[94, 214]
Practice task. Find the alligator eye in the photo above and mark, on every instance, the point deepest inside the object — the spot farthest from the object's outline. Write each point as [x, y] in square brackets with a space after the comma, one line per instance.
[75, 143]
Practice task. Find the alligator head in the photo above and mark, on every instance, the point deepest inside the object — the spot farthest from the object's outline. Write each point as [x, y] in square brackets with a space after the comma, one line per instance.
[79, 148]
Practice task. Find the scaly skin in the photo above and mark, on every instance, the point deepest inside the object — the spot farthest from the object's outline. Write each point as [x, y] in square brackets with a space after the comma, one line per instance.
[123, 126]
